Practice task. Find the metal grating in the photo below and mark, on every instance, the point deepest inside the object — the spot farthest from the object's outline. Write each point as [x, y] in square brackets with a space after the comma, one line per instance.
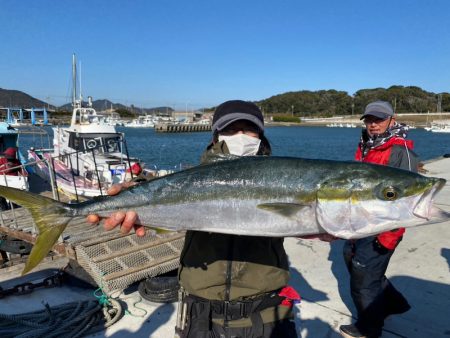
[120, 262]
[112, 259]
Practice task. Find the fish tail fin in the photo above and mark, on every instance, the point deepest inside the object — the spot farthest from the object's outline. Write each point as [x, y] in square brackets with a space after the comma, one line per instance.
[50, 216]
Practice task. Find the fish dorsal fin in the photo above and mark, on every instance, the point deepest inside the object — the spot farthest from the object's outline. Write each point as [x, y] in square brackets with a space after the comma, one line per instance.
[218, 157]
[283, 209]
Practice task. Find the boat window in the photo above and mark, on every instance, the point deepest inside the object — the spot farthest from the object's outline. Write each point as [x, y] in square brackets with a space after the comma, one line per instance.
[112, 144]
[93, 118]
[94, 143]
[88, 115]
[91, 144]
[103, 145]
[75, 142]
[100, 143]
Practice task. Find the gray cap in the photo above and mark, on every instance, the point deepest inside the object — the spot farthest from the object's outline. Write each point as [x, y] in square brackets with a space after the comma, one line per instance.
[380, 109]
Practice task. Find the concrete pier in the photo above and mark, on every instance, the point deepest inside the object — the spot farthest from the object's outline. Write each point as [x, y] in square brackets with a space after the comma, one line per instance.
[419, 269]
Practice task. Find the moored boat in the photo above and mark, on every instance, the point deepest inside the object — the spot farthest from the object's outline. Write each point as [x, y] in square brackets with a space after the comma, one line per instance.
[88, 156]
[12, 173]
[440, 128]
[146, 121]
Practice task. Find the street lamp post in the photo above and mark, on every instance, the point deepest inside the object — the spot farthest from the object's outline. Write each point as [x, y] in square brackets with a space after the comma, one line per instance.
[353, 104]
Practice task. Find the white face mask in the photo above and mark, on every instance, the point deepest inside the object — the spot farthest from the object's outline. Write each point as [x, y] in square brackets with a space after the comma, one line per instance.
[241, 144]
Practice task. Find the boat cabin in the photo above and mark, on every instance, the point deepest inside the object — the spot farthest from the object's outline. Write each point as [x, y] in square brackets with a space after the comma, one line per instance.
[86, 116]
[8, 137]
[101, 143]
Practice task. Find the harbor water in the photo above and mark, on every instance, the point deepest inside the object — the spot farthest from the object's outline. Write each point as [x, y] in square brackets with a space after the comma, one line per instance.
[175, 150]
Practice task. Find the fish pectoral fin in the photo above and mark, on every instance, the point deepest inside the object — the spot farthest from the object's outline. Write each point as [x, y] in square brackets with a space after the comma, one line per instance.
[283, 209]
[158, 230]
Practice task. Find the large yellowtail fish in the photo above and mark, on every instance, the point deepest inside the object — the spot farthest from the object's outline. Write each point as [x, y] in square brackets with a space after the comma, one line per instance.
[257, 196]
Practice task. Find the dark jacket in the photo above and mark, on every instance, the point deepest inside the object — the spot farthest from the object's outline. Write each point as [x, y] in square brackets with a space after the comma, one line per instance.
[230, 267]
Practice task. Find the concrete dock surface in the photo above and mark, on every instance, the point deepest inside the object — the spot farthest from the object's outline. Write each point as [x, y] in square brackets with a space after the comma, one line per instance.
[419, 269]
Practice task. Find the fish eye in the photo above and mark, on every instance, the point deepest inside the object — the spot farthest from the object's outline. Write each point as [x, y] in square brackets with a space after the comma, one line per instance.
[390, 193]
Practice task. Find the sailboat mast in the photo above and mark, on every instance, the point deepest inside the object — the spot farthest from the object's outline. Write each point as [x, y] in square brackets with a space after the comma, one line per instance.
[81, 95]
[74, 80]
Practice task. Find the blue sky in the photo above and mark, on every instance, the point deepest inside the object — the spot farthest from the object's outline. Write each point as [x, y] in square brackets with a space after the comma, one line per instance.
[199, 53]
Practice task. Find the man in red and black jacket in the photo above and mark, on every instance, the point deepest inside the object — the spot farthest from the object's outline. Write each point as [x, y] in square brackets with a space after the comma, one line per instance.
[9, 164]
[382, 142]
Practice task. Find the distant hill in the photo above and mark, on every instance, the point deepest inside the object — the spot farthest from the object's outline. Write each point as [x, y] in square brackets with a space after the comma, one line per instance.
[103, 104]
[331, 102]
[16, 98]
[97, 105]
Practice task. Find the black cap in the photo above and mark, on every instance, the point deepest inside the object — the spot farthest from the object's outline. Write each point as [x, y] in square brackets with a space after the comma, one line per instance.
[232, 111]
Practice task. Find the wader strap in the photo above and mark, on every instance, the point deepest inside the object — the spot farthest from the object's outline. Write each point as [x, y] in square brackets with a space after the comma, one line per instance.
[271, 300]
[257, 324]
[204, 310]
[203, 316]
[235, 310]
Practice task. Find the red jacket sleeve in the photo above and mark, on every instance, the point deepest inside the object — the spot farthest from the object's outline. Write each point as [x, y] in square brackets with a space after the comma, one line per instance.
[390, 239]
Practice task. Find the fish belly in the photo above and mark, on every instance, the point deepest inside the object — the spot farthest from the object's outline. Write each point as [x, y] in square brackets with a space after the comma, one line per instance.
[229, 217]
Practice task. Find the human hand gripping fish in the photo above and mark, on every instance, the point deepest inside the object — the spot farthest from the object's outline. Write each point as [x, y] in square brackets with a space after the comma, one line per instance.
[127, 220]
[253, 196]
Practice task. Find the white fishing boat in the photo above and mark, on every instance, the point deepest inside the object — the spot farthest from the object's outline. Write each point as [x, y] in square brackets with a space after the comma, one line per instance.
[341, 125]
[113, 119]
[12, 173]
[146, 121]
[88, 156]
[440, 128]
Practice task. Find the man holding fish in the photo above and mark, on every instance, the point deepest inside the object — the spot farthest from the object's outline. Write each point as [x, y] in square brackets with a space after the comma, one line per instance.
[233, 286]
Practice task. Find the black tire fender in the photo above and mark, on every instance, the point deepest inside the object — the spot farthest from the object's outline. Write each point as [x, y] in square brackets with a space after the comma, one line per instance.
[160, 289]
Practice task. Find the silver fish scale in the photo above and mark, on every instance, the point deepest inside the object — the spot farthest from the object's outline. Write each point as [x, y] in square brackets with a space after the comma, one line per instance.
[256, 195]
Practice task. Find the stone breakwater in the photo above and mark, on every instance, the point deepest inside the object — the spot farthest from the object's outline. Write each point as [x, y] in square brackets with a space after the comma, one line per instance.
[181, 128]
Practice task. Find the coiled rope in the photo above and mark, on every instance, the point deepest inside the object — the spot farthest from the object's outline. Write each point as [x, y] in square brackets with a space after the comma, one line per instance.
[68, 320]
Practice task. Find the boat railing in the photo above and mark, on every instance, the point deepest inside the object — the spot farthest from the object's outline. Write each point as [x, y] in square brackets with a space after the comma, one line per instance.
[74, 161]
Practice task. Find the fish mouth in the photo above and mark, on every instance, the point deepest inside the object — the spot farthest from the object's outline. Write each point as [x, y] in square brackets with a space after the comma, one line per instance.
[425, 208]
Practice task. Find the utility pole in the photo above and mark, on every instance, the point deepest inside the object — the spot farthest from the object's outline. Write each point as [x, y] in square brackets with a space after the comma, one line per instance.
[439, 104]
[353, 104]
